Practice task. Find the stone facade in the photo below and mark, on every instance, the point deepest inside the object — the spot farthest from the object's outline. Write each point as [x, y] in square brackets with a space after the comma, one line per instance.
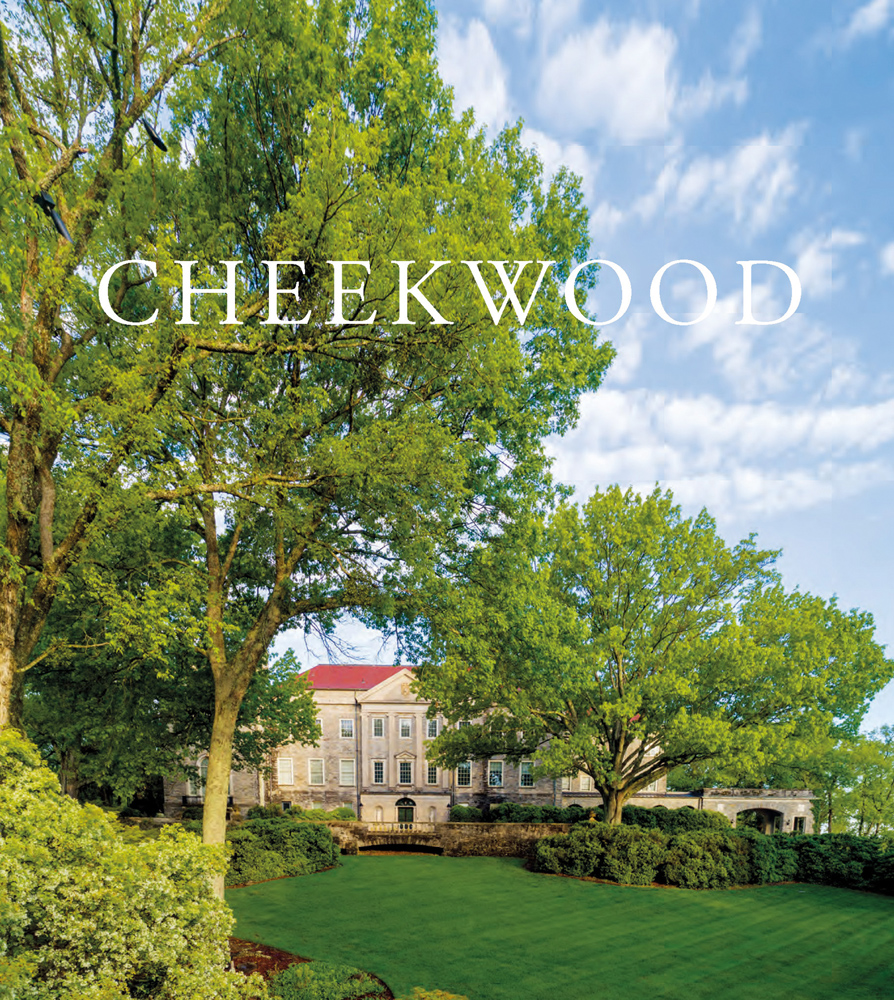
[371, 758]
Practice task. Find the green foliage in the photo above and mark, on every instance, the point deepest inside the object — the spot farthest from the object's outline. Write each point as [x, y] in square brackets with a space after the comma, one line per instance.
[322, 981]
[86, 915]
[622, 631]
[268, 847]
[705, 859]
[466, 814]
[421, 994]
[624, 854]
[521, 812]
[675, 820]
[717, 858]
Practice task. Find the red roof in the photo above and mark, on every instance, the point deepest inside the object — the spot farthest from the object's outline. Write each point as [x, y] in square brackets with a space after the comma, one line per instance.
[349, 676]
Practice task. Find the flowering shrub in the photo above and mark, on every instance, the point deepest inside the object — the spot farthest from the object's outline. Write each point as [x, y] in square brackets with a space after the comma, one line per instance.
[85, 915]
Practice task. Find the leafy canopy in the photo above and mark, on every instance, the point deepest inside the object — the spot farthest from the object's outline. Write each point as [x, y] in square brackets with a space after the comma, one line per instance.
[622, 640]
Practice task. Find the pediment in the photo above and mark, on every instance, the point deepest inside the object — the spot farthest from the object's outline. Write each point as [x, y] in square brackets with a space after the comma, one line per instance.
[405, 755]
[395, 689]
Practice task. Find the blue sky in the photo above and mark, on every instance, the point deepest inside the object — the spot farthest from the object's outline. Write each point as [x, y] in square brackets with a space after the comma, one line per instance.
[717, 132]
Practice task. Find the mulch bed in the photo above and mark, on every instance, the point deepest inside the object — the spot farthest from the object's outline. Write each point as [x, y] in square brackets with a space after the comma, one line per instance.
[250, 957]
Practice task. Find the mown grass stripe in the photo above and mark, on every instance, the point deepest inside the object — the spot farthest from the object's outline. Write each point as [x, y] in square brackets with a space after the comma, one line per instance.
[487, 928]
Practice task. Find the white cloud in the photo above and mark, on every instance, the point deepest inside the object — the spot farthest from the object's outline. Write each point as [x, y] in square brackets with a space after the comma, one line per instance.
[745, 42]
[818, 260]
[760, 361]
[617, 78]
[516, 14]
[732, 458]
[709, 94]
[753, 182]
[555, 154]
[470, 64]
[887, 258]
[869, 19]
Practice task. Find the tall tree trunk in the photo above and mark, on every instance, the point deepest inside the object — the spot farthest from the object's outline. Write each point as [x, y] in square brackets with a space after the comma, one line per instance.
[613, 804]
[227, 700]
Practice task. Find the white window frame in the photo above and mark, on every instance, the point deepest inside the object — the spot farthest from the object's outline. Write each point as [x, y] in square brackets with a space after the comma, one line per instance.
[373, 734]
[409, 726]
[341, 772]
[467, 769]
[490, 774]
[382, 782]
[344, 724]
[566, 782]
[400, 769]
[586, 782]
[289, 778]
[526, 770]
[431, 728]
[652, 786]
[428, 774]
[310, 771]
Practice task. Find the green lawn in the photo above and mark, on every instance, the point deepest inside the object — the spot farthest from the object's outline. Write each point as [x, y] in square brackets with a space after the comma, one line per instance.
[489, 929]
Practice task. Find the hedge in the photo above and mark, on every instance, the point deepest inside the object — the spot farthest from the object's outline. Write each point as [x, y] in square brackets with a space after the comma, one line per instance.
[717, 859]
[277, 846]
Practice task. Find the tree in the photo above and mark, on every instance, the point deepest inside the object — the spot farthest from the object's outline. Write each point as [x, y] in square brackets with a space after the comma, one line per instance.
[113, 704]
[622, 640]
[869, 801]
[322, 466]
[76, 395]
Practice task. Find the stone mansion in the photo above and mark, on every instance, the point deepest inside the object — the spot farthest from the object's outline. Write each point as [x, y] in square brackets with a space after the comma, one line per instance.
[371, 758]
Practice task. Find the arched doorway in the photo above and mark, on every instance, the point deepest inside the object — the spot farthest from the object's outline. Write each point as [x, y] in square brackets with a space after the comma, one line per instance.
[765, 820]
[406, 810]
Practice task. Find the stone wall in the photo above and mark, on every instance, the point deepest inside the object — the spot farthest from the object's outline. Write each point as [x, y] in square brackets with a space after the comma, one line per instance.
[454, 840]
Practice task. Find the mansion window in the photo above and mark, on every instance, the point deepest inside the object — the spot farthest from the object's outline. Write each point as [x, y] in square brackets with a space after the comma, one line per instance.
[406, 728]
[432, 728]
[652, 786]
[405, 774]
[798, 824]
[526, 774]
[315, 771]
[347, 728]
[586, 783]
[566, 782]
[431, 774]
[378, 772]
[464, 774]
[495, 774]
[346, 771]
[197, 785]
[378, 728]
[285, 771]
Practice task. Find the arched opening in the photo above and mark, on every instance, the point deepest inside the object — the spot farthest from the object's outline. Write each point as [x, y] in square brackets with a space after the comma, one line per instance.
[406, 810]
[763, 820]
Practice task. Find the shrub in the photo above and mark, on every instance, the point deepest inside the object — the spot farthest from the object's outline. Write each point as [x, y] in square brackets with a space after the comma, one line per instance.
[270, 847]
[421, 994]
[617, 853]
[706, 859]
[465, 814]
[772, 858]
[674, 820]
[322, 981]
[343, 813]
[87, 916]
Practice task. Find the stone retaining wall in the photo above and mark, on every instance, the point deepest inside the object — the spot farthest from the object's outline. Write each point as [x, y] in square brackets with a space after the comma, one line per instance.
[455, 840]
